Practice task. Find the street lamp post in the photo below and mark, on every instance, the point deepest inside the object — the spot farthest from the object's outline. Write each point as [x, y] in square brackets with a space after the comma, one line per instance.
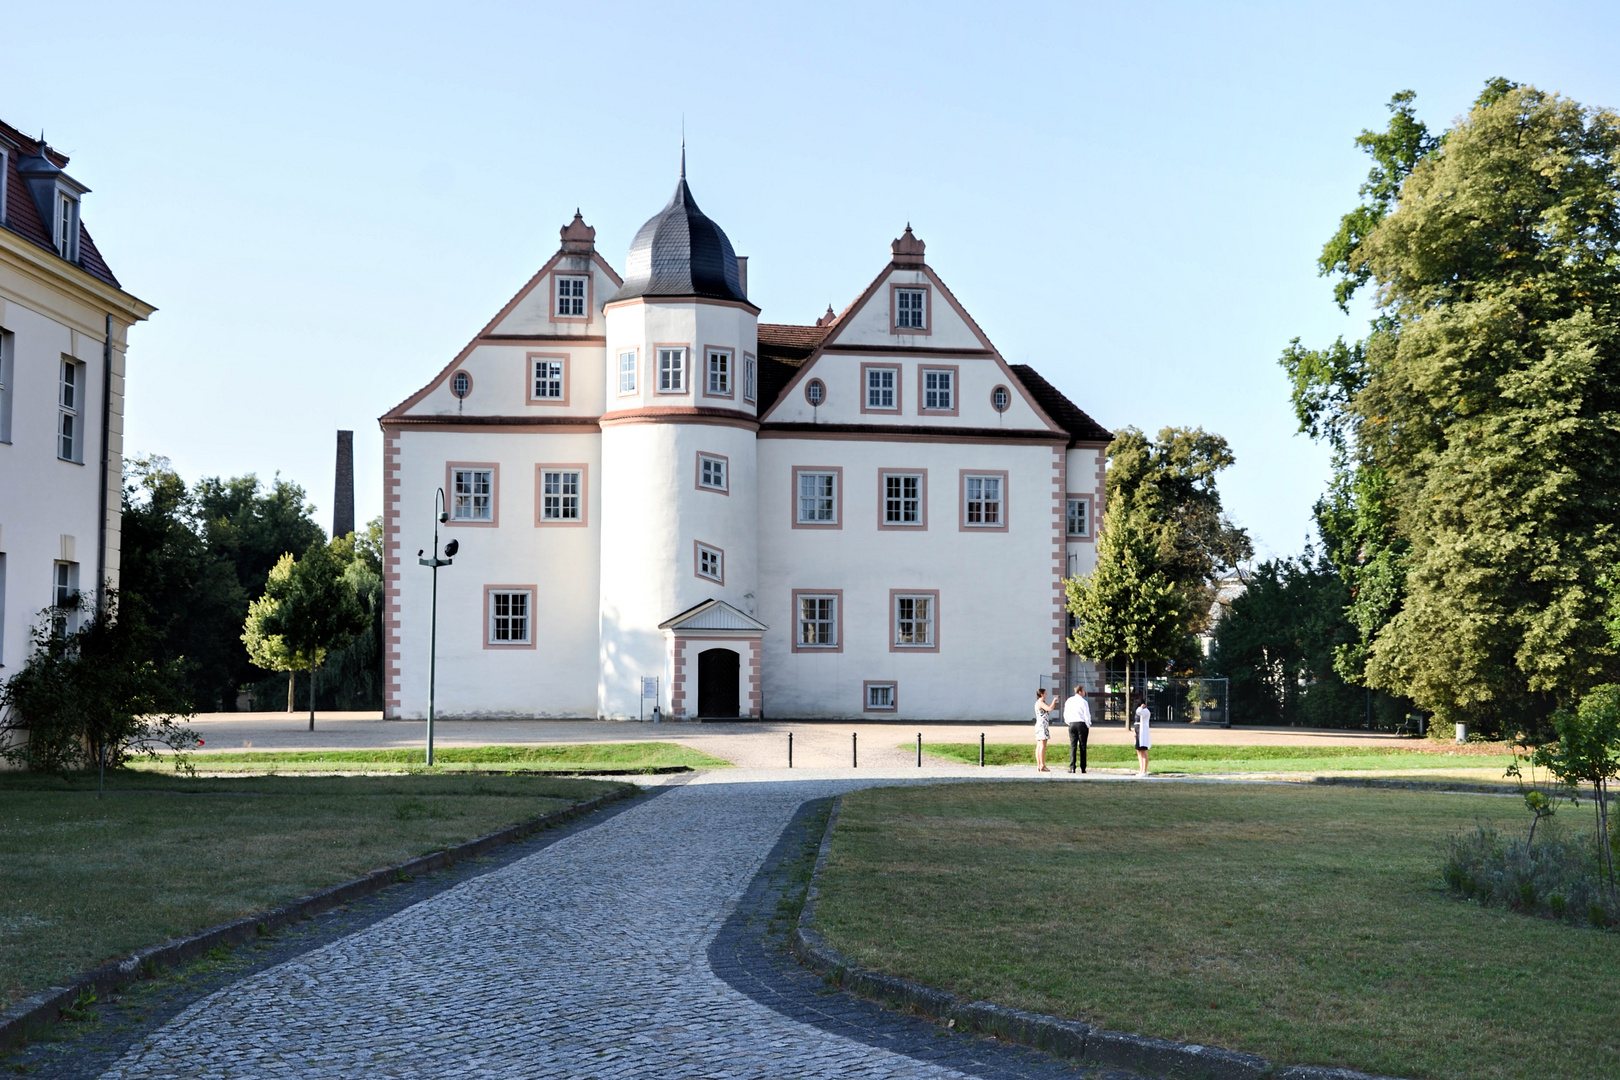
[439, 518]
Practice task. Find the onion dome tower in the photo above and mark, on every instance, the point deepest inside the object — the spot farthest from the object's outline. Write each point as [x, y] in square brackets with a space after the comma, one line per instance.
[678, 490]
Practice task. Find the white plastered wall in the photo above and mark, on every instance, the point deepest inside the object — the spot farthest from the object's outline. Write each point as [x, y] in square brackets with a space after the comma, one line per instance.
[995, 632]
[556, 678]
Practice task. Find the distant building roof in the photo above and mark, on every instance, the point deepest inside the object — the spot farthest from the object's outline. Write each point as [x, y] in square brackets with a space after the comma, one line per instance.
[1067, 414]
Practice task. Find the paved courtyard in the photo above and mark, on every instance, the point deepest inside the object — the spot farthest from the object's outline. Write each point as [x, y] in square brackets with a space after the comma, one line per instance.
[590, 957]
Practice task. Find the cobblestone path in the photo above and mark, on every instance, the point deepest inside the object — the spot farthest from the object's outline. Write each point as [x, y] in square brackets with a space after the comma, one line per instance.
[589, 958]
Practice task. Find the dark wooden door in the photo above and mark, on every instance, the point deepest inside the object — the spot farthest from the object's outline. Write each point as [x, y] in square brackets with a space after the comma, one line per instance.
[717, 684]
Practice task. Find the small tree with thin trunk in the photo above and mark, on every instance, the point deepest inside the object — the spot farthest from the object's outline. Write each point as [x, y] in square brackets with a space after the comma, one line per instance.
[1127, 606]
[271, 651]
[1588, 752]
[314, 611]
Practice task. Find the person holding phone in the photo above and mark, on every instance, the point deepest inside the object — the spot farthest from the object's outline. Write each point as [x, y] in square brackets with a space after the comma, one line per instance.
[1143, 723]
[1077, 716]
[1043, 729]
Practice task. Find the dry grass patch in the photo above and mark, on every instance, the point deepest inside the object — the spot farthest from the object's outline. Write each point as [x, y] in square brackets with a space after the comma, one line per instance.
[1308, 925]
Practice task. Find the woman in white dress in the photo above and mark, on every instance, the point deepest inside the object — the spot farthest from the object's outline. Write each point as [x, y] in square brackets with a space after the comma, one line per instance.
[1043, 729]
[1144, 737]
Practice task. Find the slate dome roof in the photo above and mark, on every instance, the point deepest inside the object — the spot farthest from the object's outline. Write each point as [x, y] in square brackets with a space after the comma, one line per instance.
[680, 252]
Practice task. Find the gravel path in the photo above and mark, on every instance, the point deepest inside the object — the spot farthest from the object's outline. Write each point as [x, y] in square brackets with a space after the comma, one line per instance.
[586, 959]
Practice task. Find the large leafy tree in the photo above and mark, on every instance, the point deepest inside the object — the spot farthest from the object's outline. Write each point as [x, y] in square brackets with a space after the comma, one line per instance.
[1167, 487]
[1477, 427]
[1127, 608]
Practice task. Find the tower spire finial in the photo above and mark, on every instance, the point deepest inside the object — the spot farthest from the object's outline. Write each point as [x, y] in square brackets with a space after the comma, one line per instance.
[683, 146]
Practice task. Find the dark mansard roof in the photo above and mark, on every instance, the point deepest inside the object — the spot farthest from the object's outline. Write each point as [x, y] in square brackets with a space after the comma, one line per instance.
[680, 252]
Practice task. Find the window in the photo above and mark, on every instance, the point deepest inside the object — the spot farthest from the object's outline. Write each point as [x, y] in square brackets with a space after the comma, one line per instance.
[711, 474]
[2, 579]
[627, 371]
[882, 388]
[461, 384]
[914, 617]
[1079, 516]
[511, 615]
[911, 309]
[562, 495]
[67, 227]
[880, 696]
[548, 381]
[70, 405]
[571, 297]
[64, 597]
[902, 500]
[709, 562]
[7, 363]
[819, 622]
[816, 498]
[750, 378]
[672, 371]
[939, 390]
[1000, 398]
[815, 392]
[3, 164]
[719, 373]
[472, 494]
[984, 500]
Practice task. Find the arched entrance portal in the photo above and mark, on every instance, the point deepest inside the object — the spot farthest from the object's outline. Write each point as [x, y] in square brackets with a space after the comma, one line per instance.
[717, 684]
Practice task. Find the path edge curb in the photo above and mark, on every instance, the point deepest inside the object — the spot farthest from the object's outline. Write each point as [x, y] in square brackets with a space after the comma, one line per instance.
[32, 1015]
[1071, 1039]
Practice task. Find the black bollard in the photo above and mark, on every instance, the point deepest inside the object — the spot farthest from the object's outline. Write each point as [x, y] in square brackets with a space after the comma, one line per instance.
[790, 749]
[919, 749]
[854, 752]
[981, 749]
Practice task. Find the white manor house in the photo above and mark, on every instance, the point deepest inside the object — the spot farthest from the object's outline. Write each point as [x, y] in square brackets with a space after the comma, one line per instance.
[868, 517]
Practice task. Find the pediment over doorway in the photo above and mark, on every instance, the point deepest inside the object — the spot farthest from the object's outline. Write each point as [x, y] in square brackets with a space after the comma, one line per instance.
[714, 615]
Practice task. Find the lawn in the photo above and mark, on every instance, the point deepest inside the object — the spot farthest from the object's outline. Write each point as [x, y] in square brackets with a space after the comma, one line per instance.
[88, 879]
[623, 758]
[1224, 759]
[1309, 925]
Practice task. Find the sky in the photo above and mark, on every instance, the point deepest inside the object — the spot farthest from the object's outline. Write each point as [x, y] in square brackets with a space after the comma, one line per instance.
[327, 201]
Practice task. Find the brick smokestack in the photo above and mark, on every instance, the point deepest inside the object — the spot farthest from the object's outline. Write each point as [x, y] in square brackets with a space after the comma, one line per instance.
[343, 491]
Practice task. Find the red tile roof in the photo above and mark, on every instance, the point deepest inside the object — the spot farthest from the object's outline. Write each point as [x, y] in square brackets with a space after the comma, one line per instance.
[23, 218]
[1067, 414]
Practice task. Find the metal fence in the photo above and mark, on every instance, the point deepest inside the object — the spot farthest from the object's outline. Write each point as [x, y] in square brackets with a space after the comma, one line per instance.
[1185, 701]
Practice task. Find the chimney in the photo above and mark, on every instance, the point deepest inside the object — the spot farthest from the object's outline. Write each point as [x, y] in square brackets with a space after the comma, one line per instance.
[343, 490]
[578, 238]
[742, 274]
[908, 250]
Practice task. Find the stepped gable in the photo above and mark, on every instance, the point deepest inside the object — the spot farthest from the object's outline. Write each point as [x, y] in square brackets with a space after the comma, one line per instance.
[22, 217]
[1065, 413]
[681, 252]
[783, 349]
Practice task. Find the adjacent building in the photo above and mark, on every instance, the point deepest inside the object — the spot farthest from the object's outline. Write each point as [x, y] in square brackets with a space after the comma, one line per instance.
[64, 321]
[659, 500]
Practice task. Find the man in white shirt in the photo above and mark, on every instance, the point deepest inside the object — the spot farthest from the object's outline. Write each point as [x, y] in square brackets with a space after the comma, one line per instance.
[1144, 737]
[1077, 715]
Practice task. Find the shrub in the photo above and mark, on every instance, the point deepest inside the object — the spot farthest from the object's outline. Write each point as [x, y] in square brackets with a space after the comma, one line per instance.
[1558, 877]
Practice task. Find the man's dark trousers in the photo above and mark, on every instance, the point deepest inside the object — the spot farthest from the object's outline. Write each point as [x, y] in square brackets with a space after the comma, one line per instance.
[1078, 734]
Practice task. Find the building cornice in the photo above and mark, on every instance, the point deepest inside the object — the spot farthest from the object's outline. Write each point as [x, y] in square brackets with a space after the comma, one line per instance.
[905, 350]
[743, 304]
[675, 414]
[910, 433]
[52, 270]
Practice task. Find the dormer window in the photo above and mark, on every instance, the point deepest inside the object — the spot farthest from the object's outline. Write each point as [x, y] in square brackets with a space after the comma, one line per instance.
[571, 296]
[67, 227]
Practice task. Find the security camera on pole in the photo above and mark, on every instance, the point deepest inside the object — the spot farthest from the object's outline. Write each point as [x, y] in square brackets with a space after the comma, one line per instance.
[450, 549]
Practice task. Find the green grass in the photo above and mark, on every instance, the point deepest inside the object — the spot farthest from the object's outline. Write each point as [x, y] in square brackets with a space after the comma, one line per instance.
[85, 880]
[1221, 759]
[574, 757]
[1309, 925]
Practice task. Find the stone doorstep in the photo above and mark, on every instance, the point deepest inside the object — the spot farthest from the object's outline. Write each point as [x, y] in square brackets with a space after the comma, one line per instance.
[1070, 1039]
[29, 1016]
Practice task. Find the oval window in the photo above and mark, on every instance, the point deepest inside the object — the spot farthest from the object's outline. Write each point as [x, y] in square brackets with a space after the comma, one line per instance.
[1000, 398]
[815, 392]
[461, 384]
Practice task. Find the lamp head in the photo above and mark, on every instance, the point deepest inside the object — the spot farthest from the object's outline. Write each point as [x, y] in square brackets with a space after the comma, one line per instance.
[443, 518]
[451, 548]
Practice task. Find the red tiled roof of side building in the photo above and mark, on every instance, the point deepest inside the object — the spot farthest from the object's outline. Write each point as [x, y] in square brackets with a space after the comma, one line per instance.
[783, 349]
[1067, 414]
[786, 337]
[22, 217]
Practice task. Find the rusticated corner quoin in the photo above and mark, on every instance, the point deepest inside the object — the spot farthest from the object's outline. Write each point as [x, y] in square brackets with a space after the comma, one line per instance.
[1069, 1039]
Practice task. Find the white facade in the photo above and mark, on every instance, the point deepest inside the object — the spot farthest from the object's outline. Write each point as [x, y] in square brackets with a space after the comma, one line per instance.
[869, 517]
[63, 332]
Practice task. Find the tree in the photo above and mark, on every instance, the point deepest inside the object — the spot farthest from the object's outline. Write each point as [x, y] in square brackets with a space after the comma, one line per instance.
[1127, 607]
[1587, 751]
[1168, 486]
[1477, 428]
[313, 611]
[93, 695]
[270, 650]
[1276, 644]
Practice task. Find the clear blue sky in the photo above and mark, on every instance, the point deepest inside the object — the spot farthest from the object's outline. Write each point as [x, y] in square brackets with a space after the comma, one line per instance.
[327, 201]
